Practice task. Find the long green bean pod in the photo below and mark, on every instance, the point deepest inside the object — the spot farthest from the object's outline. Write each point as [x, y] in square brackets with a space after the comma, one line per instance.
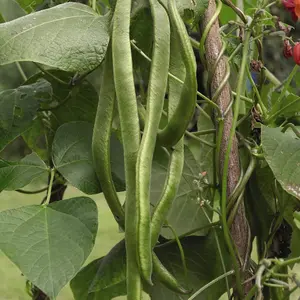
[130, 131]
[174, 170]
[176, 162]
[178, 123]
[101, 139]
[155, 101]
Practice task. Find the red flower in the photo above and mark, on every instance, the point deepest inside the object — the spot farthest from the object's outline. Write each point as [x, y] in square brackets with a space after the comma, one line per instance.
[293, 6]
[296, 53]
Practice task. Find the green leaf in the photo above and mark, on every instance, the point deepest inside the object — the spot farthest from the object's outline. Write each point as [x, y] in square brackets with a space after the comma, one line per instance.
[18, 107]
[282, 153]
[288, 106]
[15, 175]
[202, 267]
[103, 278]
[10, 10]
[69, 103]
[70, 37]
[50, 243]
[35, 138]
[30, 5]
[72, 156]
[186, 205]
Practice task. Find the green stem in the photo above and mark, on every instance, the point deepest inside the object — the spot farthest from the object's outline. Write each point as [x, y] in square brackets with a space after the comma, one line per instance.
[182, 256]
[52, 173]
[21, 71]
[204, 132]
[293, 127]
[196, 138]
[208, 226]
[94, 5]
[277, 113]
[262, 105]
[32, 192]
[210, 284]
[240, 87]
[51, 75]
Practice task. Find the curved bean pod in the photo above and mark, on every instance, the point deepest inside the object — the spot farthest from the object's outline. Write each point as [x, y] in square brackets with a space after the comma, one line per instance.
[155, 101]
[166, 278]
[101, 139]
[178, 123]
[130, 131]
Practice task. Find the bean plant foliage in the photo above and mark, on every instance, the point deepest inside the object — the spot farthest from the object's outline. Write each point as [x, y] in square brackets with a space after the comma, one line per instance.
[126, 96]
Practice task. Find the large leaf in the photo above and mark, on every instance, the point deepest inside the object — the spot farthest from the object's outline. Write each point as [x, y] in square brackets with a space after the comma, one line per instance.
[50, 243]
[282, 152]
[186, 205]
[15, 175]
[18, 107]
[70, 37]
[103, 278]
[72, 156]
[10, 10]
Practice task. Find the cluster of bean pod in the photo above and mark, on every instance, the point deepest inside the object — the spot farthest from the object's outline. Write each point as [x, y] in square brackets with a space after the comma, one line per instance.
[172, 52]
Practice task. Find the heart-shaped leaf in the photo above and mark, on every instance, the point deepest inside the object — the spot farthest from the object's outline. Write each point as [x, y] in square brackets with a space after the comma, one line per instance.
[18, 107]
[282, 153]
[70, 37]
[50, 243]
[15, 175]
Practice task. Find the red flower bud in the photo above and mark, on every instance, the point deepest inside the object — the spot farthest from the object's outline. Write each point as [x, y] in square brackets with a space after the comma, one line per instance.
[293, 6]
[287, 49]
[296, 53]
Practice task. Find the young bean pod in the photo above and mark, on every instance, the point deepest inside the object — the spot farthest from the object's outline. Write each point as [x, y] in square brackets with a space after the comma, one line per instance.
[178, 123]
[101, 139]
[166, 278]
[155, 101]
[130, 131]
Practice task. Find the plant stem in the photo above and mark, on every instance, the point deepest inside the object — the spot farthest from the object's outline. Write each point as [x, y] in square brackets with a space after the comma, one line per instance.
[210, 284]
[21, 71]
[52, 173]
[293, 127]
[240, 86]
[32, 192]
[200, 140]
[262, 105]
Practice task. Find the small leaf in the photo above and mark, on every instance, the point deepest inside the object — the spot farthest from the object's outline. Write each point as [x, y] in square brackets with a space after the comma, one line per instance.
[103, 278]
[15, 175]
[70, 37]
[69, 103]
[186, 205]
[282, 153]
[72, 156]
[18, 107]
[50, 243]
[10, 10]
